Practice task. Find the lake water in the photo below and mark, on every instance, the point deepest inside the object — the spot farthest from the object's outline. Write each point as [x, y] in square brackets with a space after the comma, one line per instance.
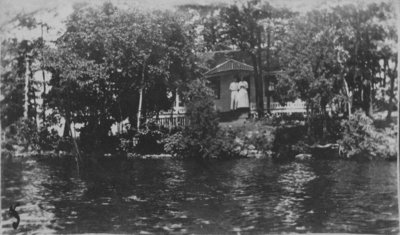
[176, 196]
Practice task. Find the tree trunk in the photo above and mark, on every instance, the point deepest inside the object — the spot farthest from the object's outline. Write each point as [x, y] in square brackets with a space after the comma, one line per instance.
[67, 126]
[267, 80]
[260, 103]
[34, 108]
[371, 100]
[258, 86]
[392, 76]
[144, 109]
[367, 99]
[32, 102]
[390, 106]
[308, 119]
[26, 89]
[349, 95]
[139, 108]
[44, 82]
[78, 157]
[139, 113]
[43, 98]
[171, 119]
[324, 122]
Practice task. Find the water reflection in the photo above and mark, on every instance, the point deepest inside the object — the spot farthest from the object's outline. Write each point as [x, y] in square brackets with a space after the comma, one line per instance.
[294, 179]
[175, 196]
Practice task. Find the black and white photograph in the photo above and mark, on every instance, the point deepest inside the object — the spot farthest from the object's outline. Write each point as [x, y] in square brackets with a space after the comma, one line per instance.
[199, 116]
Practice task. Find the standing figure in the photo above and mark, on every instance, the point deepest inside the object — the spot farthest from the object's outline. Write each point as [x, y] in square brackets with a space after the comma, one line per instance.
[234, 88]
[243, 96]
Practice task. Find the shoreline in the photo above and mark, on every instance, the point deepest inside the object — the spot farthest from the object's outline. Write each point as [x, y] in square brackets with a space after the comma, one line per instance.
[248, 139]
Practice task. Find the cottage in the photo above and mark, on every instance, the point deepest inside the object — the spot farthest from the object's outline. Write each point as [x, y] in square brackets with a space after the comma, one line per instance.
[224, 74]
[220, 77]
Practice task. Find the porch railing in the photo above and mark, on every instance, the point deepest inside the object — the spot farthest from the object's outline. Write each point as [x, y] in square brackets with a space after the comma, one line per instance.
[168, 121]
[290, 107]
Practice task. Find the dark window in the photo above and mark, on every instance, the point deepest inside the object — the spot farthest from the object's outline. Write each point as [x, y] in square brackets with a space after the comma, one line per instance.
[272, 80]
[215, 85]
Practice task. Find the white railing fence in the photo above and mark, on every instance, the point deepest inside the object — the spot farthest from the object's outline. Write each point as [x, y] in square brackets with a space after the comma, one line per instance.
[168, 121]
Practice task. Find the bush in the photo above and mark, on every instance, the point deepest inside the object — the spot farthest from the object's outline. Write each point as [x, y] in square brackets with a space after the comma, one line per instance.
[48, 140]
[22, 133]
[203, 137]
[360, 139]
[175, 144]
[25, 134]
[65, 144]
[289, 141]
[149, 141]
[223, 146]
[263, 141]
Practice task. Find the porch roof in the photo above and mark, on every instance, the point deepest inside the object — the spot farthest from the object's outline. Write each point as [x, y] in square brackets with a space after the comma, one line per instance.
[229, 65]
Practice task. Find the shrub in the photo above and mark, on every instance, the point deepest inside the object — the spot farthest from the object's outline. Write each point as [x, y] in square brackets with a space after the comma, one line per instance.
[223, 146]
[48, 140]
[360, 139]
[201, 134]
[203, 137]
[263, 140]
[149, 141]
[22, 133]
[175, 144]
[25, 134]
[289, 141]
[65, 144]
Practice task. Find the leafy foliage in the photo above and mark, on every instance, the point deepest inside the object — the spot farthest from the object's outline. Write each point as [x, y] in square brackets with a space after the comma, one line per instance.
[203, 119]
[107, 57]
[17, 63]
[202, 137]
[312, 72]
[175, 144]
[361, 139]
[24, 133]
[150, 140]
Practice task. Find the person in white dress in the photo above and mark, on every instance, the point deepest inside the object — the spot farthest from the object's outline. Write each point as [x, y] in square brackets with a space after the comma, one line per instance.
[243, 96]
[234, 88]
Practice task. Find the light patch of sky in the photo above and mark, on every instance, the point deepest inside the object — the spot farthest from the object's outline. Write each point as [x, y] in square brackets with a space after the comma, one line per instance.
[54, 12]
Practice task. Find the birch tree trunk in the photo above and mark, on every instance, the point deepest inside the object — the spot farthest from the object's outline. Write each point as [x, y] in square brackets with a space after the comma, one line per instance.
[349, 95]
[26, 89]
[139, 113]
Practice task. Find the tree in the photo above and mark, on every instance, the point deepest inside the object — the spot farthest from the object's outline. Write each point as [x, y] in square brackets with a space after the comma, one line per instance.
[364, 41]
[245, 32]
[12, 82]
[18, 86]
[274, 27]
[23, 59]
[116, 64]
[208, 22]
[247, 27]
[389, 54]
[309, 57]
